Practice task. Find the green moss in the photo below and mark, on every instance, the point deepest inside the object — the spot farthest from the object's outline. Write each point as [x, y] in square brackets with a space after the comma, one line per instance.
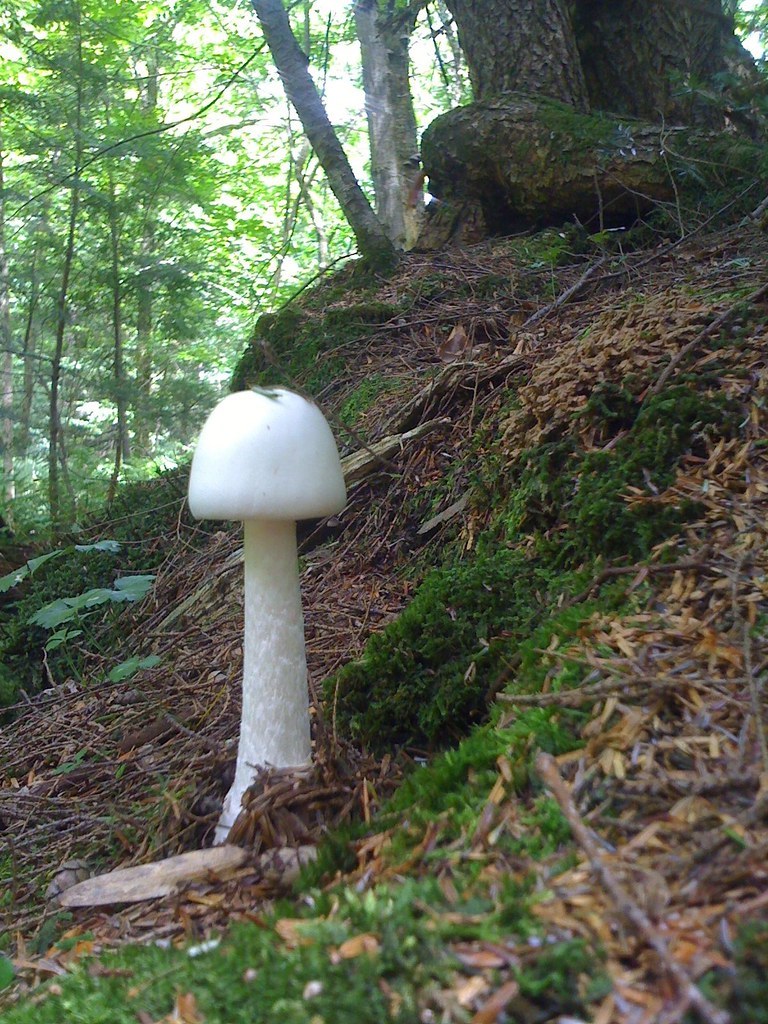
[588, 131]
[296, 344]
[430, 675]
[364, 396]
[743, 991]
[579, 497]
[424, 679]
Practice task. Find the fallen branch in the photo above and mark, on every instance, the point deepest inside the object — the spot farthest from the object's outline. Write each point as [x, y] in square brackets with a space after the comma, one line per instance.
[564, 297]
[362, 463]
[705, 333]
[469, 373]
[614, 687]
[690, 995]
[696, 562]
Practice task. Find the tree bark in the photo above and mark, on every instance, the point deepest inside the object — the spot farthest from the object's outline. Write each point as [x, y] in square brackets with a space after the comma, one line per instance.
[524, 45]
[640, 57]
[6, 425]
[525, 161]
[55, 440]
[292, 66]
[119, 381]
[384, 40]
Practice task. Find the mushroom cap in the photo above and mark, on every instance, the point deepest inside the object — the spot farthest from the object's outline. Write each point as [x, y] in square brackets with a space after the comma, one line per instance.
[266, 455]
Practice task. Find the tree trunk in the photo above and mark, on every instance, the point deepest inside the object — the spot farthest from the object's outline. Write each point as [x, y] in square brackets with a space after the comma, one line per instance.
[392, 131]
[55, 439]
[640, 57]
[148, 87]
[526, 45]
[6, 425]
[291, 64]
[119, 383]
[28, 354]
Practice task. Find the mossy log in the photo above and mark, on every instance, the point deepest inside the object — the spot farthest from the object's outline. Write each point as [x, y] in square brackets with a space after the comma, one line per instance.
[524, 161]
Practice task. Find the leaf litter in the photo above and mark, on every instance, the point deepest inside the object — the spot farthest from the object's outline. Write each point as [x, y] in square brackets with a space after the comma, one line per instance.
[668, 796]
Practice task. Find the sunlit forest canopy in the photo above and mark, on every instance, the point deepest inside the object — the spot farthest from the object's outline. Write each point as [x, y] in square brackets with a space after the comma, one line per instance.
[158, 194]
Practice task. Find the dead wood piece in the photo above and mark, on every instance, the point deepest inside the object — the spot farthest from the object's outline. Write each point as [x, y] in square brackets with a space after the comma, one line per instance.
[445, 516]
[698, 561]
[360, 464]
[626, 906]
[567, 295]
[281, 865]
[467, 374]
[150, 881]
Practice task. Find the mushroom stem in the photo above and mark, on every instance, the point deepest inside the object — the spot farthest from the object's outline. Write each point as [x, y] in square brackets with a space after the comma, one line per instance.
[274, 726]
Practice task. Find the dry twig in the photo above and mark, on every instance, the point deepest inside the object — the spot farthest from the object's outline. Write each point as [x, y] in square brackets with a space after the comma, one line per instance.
[691, 995]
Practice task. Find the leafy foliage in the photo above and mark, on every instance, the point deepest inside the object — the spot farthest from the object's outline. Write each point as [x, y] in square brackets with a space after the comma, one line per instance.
[80, 590]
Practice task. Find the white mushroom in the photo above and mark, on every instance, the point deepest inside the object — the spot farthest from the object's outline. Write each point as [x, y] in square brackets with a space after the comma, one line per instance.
[268, 458]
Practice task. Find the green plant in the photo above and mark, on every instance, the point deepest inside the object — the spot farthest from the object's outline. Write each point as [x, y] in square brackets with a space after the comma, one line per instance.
[581, 497]
[425, 677]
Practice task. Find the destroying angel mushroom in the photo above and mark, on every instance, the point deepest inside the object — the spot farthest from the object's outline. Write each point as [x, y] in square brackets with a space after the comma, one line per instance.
[268, 458]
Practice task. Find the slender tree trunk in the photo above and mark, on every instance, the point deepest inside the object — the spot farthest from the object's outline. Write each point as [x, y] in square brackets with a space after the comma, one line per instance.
[55, 438]
[291, 64]
[384, 40]
[6, 425]
[524, 45]
[144, 327]
[304, 181]
[144, 280]
[28, 355]
[120, 383]
[453, 73]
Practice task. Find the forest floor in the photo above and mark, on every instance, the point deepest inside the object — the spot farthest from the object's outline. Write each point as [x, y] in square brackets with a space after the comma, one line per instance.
[591, 842]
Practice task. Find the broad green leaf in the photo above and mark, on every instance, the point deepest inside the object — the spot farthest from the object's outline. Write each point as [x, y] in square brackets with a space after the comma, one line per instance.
[18, 575]
[7, 973]
[64, 609]
[133, 587]
[131, 666]
[112, 546]
[35, 563]
[13, 578]
[53, 614]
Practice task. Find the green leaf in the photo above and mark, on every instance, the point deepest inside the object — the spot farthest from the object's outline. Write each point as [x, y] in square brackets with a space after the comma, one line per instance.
[131, 666]
[70, 766]
[13, 578]
[132, 588]
[62, 636]
[18, 575]
[7, 973]
[35, 563]
[64, 609]
[53, 614]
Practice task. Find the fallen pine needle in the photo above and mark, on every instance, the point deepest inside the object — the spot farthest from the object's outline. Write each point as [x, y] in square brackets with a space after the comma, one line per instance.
[690, 994]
